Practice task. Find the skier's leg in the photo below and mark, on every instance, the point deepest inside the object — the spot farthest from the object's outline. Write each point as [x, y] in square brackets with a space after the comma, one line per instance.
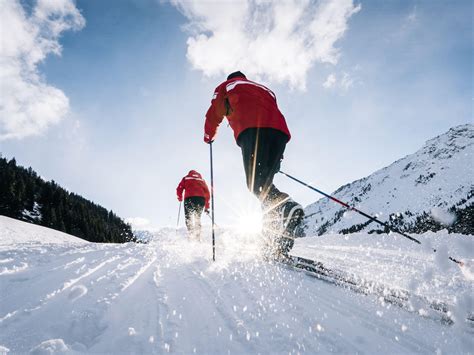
[261, 158]
[188, 214]
[262, 154]
[291, 212]
[248, 143]
[283, 215]
[196, 206]
[272, 145]
[200, 202]
[193, 221]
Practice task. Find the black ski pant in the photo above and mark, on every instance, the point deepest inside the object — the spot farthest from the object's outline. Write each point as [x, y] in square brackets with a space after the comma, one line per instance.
[262, 152]
[193, 207]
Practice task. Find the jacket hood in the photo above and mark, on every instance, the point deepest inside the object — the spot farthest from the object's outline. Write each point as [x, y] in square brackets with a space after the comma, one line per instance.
[236, 74]
[194, 173]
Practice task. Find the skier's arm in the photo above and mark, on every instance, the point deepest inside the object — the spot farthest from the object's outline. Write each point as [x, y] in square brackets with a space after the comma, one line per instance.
[215, 114]
[207, 196]
[179, 190]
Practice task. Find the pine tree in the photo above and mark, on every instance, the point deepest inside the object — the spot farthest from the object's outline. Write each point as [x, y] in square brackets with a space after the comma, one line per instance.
[23, 195]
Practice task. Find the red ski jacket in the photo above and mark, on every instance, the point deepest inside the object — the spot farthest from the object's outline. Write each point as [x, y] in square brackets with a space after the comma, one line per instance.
[246, 104]
[193, 185]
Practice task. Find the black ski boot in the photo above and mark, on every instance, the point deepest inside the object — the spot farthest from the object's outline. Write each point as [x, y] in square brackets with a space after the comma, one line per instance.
[292, 215]
[281, 226]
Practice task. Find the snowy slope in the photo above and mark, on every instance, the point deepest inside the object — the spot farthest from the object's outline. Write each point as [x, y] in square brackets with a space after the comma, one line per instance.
[432, 180]
[14, 231]
[397, 263]
[167, 296]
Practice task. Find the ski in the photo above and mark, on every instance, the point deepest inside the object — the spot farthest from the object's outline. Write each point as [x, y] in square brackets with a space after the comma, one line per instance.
[399, 297]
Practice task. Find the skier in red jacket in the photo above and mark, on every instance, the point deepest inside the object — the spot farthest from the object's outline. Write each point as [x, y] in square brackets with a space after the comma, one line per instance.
[261, 132]
[196, 199]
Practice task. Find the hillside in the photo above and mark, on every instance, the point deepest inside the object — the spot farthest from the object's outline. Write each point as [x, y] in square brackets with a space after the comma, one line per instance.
[26, 196]
[431, 189]
[168, 297]
[17, 232]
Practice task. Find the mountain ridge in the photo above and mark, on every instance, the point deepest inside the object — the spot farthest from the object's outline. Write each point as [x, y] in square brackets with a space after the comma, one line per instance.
[439, 175]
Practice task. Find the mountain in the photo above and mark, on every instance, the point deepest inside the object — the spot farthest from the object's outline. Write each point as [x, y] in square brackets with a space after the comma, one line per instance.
[431, 189]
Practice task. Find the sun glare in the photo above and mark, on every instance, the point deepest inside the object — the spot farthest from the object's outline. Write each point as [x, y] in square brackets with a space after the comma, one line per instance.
[249, 222]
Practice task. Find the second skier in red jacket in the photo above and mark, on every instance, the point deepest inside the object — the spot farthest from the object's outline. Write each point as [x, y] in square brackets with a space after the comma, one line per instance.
[196, 199]
[261, 132]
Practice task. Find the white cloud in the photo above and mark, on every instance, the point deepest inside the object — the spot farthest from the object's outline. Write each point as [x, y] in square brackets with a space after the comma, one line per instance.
[344, 83]
[347, 81]
[275, 41]
[330, 81]
[28, 105]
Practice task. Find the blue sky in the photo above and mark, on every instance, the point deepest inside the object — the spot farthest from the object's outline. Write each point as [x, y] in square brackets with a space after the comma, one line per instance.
[367, 87]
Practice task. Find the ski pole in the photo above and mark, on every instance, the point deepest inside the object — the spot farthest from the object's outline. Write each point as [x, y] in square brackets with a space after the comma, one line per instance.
[215, 224]
[212, 204]
[179, 214]
[352, 208]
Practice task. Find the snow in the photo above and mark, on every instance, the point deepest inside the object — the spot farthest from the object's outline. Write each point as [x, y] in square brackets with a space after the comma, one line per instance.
[442, 216]
[53, 346]
[17, 232]
[168, 296]
[433, 179]
[398, 263]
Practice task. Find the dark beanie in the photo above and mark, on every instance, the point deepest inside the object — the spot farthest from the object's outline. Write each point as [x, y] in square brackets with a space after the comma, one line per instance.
[236, 74]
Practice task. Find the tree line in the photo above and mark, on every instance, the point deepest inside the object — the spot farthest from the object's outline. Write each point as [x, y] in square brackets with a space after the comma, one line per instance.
[26, 196]
[462, 214]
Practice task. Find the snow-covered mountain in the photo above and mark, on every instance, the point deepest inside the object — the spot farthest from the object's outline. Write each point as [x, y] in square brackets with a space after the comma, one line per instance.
[428, 190]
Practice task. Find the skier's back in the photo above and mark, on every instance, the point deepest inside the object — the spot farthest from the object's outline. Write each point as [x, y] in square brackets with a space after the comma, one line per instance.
[196, 199]
[261, 132]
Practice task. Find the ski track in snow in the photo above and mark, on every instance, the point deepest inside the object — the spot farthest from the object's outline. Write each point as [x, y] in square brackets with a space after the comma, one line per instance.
[167, 296]
[396, 263]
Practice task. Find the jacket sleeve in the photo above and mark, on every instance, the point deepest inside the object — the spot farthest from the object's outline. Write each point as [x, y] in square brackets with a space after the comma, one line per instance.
[207, 196]
[179, 190]
[215, 114]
